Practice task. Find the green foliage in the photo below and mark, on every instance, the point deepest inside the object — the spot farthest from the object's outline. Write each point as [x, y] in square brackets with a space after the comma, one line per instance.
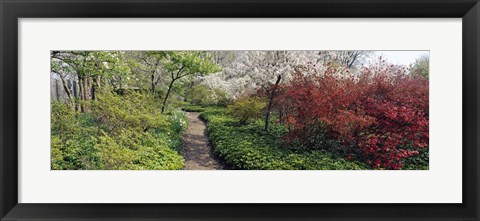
[88, 63]
[420, 67]
[56, 153]
[115, 156]
[418, 162]
[178, 122]
[193, 108]
[189, 63]
[222, 98]
[72, 140]
[185, 65]
[78, 152]
[63, 119]
[133, 110]
[131, 150]
[249, 147]
[203, 96]
[178, 125]
[200, 95]
[246, 108]
[121, 133]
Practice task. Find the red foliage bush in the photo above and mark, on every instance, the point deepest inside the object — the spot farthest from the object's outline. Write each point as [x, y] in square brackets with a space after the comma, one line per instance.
[381, 116]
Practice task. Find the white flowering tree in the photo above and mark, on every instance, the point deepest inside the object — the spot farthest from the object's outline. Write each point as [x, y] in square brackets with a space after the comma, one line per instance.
[246, 72]
[252, 70]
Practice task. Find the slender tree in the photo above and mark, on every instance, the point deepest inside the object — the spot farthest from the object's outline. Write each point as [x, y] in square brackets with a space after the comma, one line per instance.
[185, 64]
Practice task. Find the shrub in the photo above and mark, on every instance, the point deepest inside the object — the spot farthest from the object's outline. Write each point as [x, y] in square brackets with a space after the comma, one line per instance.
[196, 108]
[72, 140]
[381, 117]
[222, 98]
[246, 108]
[115, 156]
[203, 96]
[249, 147]
[79, 151]
[120, 133]
[193, 108]
[417, 162]
[133, 110]
[200, 95]
[63, 120]
[132, 150]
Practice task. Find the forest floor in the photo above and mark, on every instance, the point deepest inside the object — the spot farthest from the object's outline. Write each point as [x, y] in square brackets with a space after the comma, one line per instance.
[196, 150]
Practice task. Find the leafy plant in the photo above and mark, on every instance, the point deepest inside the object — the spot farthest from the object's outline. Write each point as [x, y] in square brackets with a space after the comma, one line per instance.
[122, 132]
[137, 151]
[250, 147]
[132, 110]
[382, 118]
[200, 95]
[246, 108]
[420, 67]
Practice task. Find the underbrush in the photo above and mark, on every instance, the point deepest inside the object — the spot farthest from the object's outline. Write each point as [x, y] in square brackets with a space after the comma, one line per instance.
[193, 108]
[198, 108]
[381, 117]
[119, 133]
[248, 146]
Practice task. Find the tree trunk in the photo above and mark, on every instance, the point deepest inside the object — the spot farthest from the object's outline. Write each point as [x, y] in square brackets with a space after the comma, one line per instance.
[166, 96]
[89, 93]
[93, 92]
[57, 93]
[75, 89]
[270, 102]
[85, 94]
[89, 88]
[353, 60]
[80, 94]
[71, 100]
[152, 78]
[96, 86]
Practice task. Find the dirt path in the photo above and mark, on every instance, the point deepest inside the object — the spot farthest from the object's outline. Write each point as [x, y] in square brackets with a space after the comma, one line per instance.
[196, 150]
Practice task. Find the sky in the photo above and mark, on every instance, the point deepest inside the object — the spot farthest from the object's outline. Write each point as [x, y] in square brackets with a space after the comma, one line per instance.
[401, 57]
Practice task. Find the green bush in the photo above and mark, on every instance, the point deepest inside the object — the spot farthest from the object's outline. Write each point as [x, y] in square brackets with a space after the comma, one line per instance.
[222, 98]
[246, 108]
[63, 120]
[200, 95]
[137, 151]
[249, 147]
[115, 156]
[73, 139]
[196, 108]
[203, 96]
[122, 132]
[133, 110]
[193, 108]
[78, 152]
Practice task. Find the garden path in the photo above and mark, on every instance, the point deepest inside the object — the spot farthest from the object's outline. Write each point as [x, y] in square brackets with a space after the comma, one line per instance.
[196, 150]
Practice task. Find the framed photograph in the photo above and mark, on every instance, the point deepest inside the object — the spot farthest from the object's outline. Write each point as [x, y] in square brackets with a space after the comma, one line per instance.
[230, 110]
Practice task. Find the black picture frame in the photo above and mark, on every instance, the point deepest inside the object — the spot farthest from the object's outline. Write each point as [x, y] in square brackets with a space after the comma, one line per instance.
[12, 10]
